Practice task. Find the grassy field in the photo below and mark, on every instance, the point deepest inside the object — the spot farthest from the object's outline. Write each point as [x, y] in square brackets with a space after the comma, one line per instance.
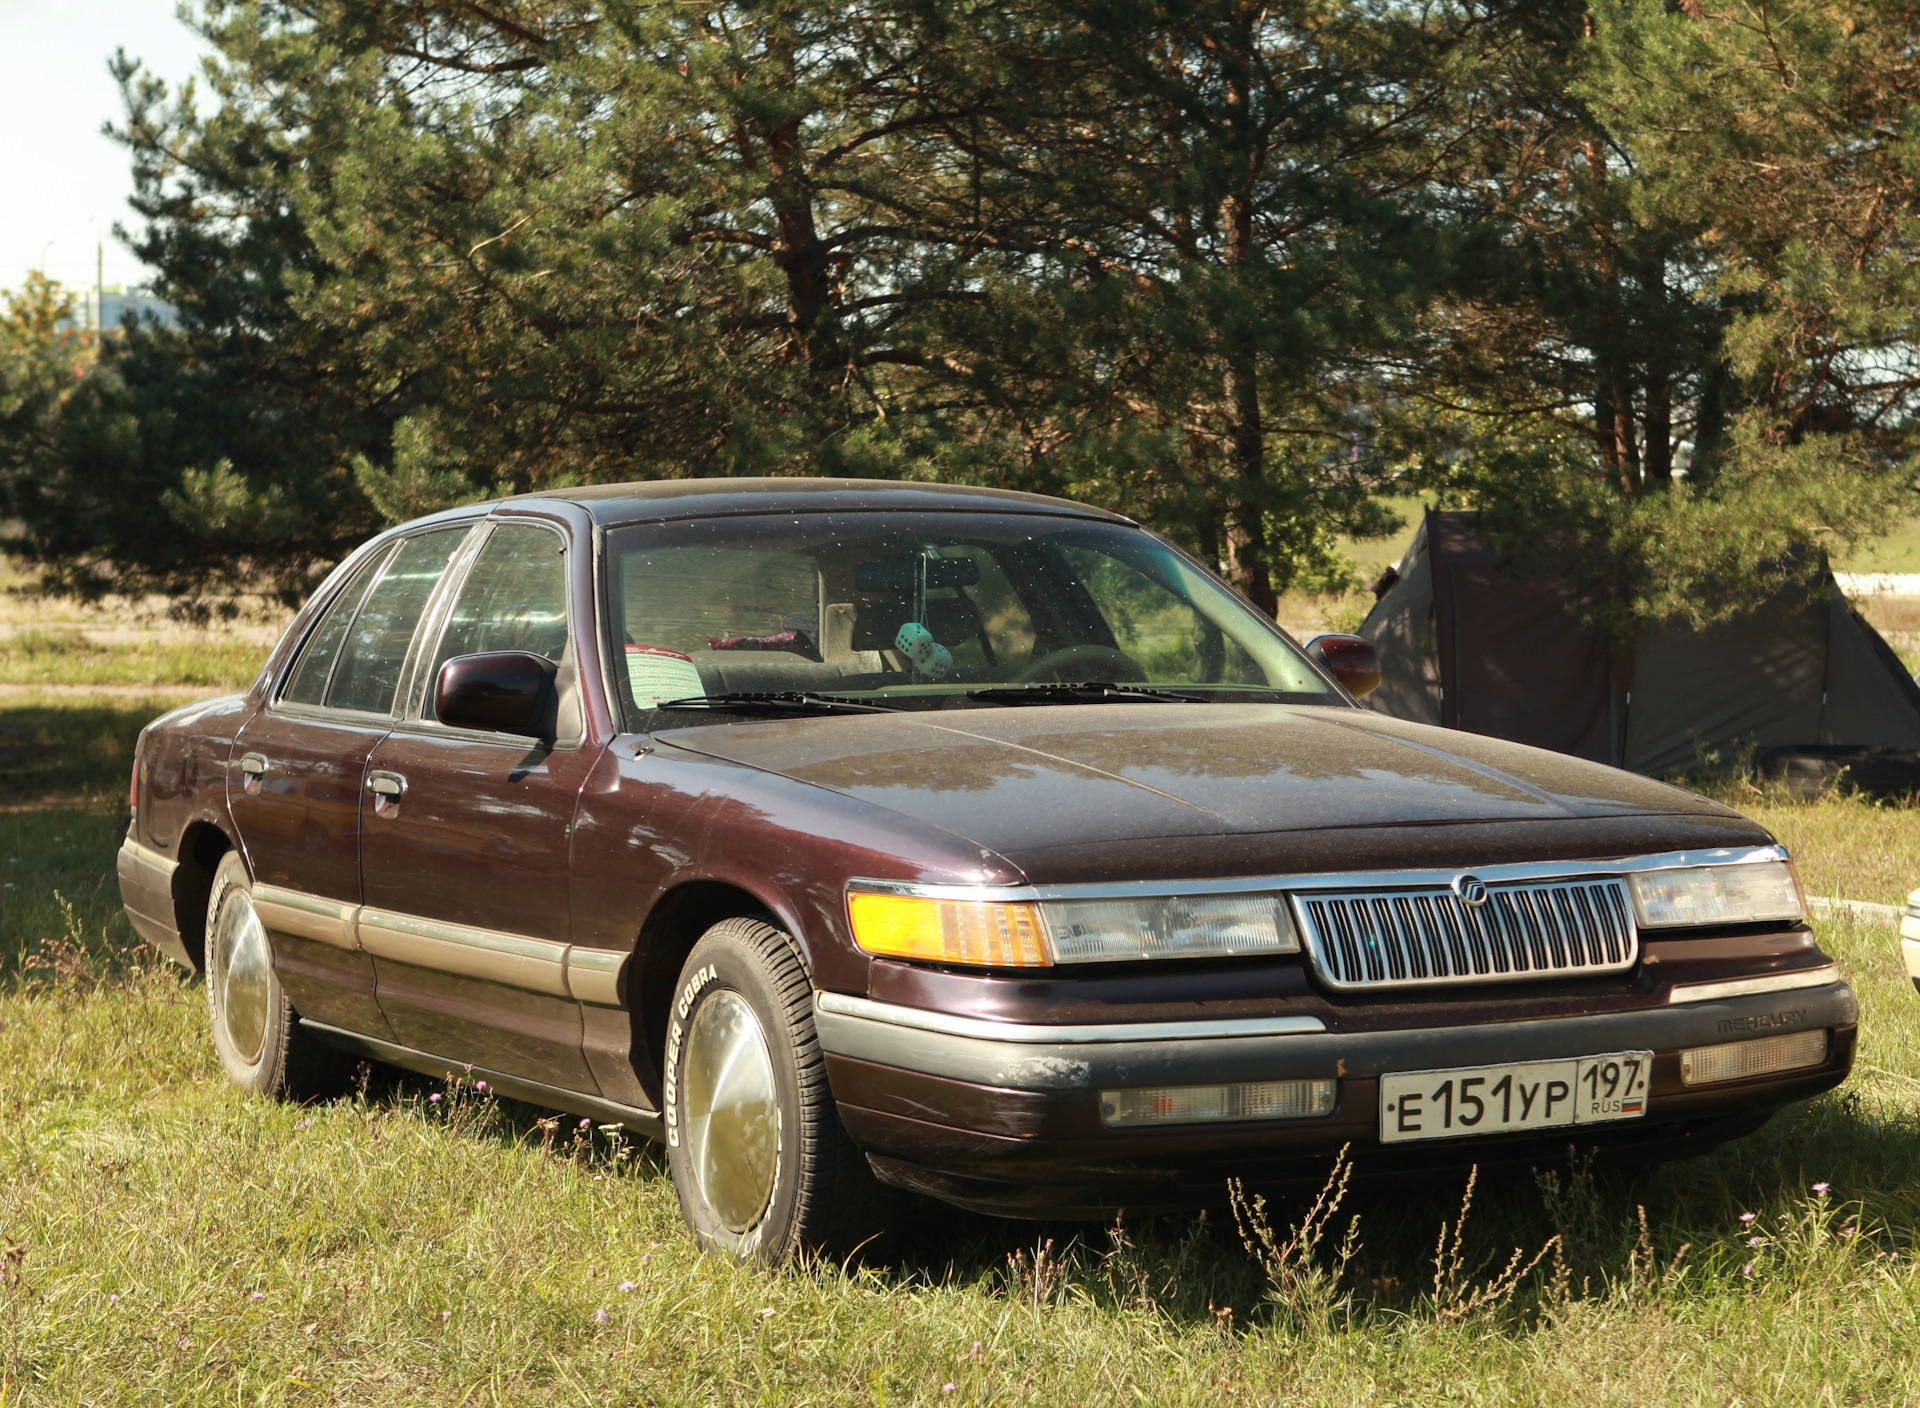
[165, 1241]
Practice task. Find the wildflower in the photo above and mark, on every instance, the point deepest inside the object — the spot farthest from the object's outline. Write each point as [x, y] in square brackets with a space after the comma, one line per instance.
[303, 1124]
[600, 1317]
[1850, 1230]
[433, 1099]
[1753, 1241]
[626, 1285]
[113, 1299]
[646, 1256]
[1746, 1217]
[948, 1388]
[979, 1351]
[585, 1124]
[1749, 1270]
[1821, 1187]
[479, 1085]
[257, 1295]
[446, 1315]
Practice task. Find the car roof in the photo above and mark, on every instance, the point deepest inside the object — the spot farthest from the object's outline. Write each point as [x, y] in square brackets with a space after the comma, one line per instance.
[660, 499]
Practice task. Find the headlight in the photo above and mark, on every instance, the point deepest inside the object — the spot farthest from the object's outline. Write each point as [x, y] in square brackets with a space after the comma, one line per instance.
[1180, 926]
[1717, 894]
[1027, 934]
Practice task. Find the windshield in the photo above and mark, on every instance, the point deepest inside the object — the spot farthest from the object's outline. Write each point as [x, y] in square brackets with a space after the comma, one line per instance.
[929, 610]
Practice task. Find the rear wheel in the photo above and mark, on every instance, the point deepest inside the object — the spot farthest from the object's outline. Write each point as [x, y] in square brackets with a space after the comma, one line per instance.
[762, 1165]
[255, 1029]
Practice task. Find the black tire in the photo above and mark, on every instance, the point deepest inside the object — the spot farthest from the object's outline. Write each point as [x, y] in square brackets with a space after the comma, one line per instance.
[821, 1198]
[283, 1061]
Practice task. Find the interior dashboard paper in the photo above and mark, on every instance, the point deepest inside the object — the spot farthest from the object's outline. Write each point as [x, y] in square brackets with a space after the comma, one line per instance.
[656, 675]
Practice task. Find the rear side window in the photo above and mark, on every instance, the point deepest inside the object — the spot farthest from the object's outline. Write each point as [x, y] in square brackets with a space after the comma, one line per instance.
[309, 682]
[370, 662]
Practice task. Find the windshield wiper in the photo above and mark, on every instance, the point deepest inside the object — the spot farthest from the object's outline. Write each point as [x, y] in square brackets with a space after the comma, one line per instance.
[787, 701]
[1090, 692]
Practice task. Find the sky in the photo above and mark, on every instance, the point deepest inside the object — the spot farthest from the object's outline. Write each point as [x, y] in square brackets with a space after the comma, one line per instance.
[57, 172]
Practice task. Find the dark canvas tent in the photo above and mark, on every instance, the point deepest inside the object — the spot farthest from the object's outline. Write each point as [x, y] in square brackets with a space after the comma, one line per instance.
[1462, 645]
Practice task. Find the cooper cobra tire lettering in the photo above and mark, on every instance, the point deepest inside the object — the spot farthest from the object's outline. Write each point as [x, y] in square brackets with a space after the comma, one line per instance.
[676, 1034]
[820, 1194]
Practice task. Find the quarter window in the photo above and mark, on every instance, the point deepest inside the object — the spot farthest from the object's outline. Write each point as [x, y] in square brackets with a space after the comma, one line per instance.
[376, 647]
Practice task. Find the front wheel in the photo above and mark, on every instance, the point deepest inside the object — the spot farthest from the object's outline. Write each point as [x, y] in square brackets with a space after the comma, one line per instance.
[762, 1165]
[255, 1029]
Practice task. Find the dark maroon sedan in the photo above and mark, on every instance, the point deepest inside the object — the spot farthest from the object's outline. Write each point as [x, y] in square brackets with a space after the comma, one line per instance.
[854, 838]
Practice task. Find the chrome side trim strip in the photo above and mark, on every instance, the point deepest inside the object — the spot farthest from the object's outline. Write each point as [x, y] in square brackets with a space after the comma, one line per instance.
[306, 916]
[1330, 880]
[538, 965]
[919, 1019]
[147, 858]
[1746, 987]
[594, 975]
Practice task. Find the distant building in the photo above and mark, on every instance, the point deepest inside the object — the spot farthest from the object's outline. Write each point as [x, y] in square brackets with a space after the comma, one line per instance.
[118, 301]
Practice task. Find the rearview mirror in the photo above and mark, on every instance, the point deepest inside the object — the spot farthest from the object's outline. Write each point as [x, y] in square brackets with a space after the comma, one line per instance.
[1350, 659]
[509, 691]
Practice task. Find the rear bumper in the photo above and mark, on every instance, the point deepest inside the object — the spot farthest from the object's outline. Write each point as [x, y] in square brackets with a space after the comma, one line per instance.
[146, 892]
[1910, 947]
[1014, 1126]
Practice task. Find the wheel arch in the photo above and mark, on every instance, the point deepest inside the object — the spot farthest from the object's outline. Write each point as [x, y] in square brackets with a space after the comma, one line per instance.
[673, 926]
[203, 845]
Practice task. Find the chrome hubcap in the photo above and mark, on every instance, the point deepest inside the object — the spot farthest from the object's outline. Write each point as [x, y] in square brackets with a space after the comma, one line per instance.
[732, 1110]
[242, 970]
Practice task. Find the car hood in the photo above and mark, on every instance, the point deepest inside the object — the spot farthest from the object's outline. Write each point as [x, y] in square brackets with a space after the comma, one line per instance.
[1020, 779]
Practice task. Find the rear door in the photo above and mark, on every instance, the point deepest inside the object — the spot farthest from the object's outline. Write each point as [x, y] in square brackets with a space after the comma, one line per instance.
[464, 855]
[302, 762]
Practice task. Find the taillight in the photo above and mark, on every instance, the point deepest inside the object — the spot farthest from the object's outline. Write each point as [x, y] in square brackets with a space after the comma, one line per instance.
[133, 787]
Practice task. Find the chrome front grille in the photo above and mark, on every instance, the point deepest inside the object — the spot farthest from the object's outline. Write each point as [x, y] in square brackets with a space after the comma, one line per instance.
[1426, 937]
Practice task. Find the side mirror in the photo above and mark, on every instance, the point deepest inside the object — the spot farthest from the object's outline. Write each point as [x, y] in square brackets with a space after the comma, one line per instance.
[510, 691]
[1350, 659]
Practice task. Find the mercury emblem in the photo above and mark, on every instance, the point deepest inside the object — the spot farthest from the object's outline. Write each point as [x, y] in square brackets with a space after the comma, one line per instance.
[1471, 889]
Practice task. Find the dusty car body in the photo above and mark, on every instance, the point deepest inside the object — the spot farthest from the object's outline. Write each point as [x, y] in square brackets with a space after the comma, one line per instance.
[1344, 930]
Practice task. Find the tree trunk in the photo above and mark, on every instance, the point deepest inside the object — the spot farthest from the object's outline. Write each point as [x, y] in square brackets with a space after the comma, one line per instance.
[1626, 442]
[1659, 429]
[802, 255]
[1246, 433]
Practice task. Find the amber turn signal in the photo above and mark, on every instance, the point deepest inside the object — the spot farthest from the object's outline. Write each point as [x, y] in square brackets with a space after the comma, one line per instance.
[987, 932]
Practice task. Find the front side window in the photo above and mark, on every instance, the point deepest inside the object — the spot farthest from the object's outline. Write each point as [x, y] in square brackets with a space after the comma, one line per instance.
[368, 671]
[929, 610]
[514, 598]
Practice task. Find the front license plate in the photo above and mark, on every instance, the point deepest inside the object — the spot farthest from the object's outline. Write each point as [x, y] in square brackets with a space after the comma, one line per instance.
[1502, 1099]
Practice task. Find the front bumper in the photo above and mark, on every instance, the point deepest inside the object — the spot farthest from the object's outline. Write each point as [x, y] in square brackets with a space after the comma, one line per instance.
[1006, 1119]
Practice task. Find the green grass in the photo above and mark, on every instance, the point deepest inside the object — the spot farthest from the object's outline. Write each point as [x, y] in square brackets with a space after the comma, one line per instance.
[72, 657]
[1897, 551]
[164, 1240]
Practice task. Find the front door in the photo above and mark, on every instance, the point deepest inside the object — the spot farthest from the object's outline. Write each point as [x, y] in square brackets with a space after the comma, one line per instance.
[299, 782]
[464, 855]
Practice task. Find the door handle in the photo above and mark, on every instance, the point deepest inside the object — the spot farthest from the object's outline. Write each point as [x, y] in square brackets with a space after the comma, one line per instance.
[390, 785]
[254, 765]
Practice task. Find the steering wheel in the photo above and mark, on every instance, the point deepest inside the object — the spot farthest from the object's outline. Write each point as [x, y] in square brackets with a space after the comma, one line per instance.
[1118, 666]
